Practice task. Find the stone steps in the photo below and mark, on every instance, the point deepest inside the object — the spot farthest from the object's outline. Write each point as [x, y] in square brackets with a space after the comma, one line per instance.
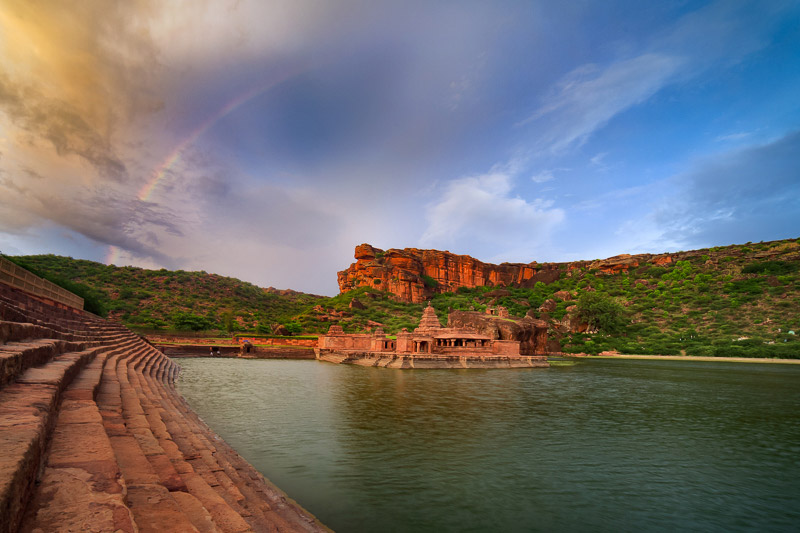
[258, 497]
[28, 412]
[94, 437]
[15, 313]
[150, 502]
[18, 356]
[81, 488]
[161, 464]
[186, 454]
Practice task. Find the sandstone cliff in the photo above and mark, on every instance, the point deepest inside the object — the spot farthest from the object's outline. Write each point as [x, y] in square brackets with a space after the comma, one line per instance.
[414, 275]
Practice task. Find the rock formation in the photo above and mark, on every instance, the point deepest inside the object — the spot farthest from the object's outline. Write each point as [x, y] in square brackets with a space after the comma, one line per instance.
[414, 275]
[529, 332]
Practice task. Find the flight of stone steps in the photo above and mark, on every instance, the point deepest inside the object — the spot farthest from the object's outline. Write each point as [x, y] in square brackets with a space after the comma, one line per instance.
[94, 436]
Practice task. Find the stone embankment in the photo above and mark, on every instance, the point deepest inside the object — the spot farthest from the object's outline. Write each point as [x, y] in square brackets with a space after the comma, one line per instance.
[431, 361]
[94, 436]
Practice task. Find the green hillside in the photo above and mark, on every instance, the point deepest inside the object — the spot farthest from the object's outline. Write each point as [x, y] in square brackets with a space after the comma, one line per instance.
[174, 300]
[739, 300]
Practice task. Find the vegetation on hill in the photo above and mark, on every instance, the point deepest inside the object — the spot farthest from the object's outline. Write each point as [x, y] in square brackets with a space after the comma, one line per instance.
[725, 301]
[93, 299]
[741, 300]
[175, 300]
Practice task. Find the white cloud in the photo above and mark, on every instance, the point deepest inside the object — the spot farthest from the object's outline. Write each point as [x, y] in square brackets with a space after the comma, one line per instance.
[588, 97]
[543, 176]
[734, 136]
[480, 214]
[721, 33]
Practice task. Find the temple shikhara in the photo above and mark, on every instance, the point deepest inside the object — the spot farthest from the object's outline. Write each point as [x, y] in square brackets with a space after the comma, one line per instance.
[471, 340]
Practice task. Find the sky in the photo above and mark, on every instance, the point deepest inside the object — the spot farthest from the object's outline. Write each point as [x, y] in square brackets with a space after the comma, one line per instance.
[266, 139]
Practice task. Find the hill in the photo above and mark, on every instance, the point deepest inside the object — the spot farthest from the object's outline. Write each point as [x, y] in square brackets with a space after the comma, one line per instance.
[738, 300]
[175, 300]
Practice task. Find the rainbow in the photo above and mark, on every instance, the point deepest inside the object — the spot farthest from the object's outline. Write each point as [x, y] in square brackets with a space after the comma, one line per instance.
[113, 255]
[146, 192]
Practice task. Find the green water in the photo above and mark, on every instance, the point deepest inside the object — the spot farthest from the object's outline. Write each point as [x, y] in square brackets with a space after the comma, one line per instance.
[603, 445]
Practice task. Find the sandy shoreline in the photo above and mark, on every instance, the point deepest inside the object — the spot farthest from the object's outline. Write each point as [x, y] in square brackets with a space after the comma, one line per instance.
[692, 358]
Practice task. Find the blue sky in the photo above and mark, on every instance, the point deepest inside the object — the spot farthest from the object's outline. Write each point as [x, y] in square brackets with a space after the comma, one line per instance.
[264, 140]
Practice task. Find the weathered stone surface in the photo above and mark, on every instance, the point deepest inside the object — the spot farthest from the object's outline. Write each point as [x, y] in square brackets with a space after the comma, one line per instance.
[404, 272]
[414, 275]
[529, 332]
[93, 437]
[564, 296]
[548, 306]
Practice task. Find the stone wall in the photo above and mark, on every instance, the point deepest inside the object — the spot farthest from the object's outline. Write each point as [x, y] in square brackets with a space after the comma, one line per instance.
[307, 343]
[346, 342]
[19, 278]
[232, 341]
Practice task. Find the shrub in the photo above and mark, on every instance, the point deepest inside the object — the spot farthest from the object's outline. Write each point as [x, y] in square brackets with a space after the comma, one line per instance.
[429, 281]
[772, 268]
[293, 327]
[744, 286]
[191, 322]
[601, 312]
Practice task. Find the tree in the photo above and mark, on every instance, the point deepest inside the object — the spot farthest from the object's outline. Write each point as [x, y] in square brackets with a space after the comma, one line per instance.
[229, 321]
[188, 321]
[601, 312]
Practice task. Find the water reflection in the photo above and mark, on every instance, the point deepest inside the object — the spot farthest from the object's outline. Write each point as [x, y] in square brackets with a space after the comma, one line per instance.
[601, 446]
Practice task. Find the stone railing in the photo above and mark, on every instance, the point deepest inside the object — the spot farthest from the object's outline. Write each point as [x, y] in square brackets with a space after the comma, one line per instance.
[18, 277]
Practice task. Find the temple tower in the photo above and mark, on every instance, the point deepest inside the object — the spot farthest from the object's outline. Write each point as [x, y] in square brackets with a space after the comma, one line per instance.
[429, 321]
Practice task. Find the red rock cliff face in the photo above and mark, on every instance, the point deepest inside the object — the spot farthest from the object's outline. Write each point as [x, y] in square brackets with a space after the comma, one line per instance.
[414, 275]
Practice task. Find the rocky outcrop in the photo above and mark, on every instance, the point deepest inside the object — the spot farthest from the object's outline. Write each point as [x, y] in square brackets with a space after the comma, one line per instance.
[414, 275]
[625, 262]
[529, 332]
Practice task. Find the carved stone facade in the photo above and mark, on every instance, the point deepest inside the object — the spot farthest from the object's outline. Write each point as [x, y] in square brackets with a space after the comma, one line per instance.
[429, 346]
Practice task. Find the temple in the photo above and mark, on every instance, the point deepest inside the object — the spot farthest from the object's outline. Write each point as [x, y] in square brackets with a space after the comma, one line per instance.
[432, 346]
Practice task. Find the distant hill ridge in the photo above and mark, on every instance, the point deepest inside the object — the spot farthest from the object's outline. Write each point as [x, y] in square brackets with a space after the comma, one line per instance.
[731, 300]
[414, 275]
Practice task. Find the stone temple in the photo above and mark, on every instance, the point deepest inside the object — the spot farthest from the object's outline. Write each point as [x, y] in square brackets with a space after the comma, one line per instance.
[431, 345]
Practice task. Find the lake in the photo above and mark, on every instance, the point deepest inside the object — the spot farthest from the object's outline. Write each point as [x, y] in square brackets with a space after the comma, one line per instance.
[600, 445]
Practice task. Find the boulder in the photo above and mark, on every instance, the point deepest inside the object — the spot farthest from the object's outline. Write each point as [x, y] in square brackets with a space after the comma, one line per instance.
[280, 329]
[355, 304]
[548, 306]
[365, 252]
[497, 293]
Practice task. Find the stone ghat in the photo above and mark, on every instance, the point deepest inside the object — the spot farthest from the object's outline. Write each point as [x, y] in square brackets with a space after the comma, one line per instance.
[431, 361]
[94, 437]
